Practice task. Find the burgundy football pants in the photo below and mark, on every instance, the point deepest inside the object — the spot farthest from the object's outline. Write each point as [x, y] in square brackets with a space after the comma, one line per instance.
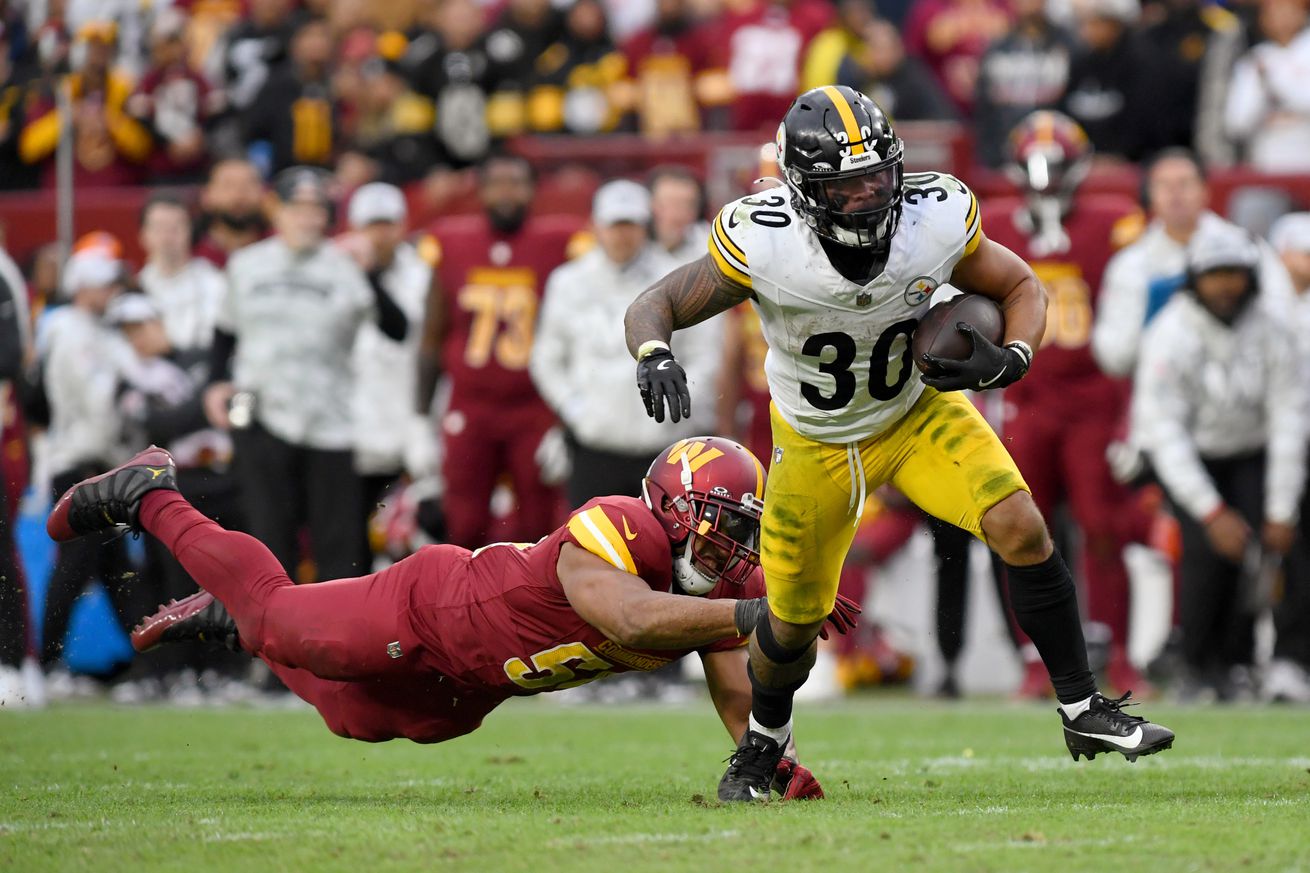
[334, 643]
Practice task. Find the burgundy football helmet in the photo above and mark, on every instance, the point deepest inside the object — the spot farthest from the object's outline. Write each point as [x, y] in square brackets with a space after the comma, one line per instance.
[708, 492]
[1049, 154]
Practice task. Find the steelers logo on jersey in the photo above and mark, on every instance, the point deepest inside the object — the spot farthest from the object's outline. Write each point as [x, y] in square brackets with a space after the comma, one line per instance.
[919, 289]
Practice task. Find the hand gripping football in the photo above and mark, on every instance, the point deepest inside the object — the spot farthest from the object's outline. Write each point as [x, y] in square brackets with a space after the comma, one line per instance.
[937, 335]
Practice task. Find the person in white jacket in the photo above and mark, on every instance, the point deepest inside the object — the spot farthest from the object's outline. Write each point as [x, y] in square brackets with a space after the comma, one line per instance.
[82, 359]
[1287, 676]
[386, 369]
[1142, 276]
[582, 367]
[1222, 418]
[1268, 107]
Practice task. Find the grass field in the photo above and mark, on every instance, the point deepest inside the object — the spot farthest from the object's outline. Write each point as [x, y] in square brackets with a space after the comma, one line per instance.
[911, 786]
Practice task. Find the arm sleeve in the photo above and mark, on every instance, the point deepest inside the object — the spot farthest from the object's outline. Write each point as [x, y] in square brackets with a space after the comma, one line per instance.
[166, 422]
[220, 356]
[549, 362]
[1165, 435]
[391, 318]
[1120, 314]
[1285, 407]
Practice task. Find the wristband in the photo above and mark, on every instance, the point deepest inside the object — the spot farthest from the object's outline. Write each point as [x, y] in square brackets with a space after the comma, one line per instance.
[649, 347]
[1025, 351]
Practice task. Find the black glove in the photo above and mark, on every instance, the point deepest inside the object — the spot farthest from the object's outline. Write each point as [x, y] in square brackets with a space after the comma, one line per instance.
[988, 366]
[749, 612]
[659, 377]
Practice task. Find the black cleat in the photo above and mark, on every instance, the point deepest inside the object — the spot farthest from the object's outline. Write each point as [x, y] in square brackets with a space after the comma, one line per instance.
[111, 499]
[198, 617]
[751, 769]
[1105, 727]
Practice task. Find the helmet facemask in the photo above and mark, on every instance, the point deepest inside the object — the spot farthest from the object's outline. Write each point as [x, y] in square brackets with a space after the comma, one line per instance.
[724, 547]
[859, 208]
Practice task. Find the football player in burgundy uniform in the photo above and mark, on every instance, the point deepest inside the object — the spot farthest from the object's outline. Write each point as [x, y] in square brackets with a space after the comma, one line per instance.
[428, 647]
[1061, 419]
[481, 315]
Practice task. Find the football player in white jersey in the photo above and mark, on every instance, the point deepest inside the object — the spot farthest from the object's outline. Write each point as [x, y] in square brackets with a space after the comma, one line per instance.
[840, 265]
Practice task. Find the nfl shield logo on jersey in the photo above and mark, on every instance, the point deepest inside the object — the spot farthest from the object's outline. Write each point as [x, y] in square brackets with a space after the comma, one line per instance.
[863, 299]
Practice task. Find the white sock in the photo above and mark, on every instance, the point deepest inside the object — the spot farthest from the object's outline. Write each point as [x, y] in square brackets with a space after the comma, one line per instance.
[1073, 710]
[779, 735]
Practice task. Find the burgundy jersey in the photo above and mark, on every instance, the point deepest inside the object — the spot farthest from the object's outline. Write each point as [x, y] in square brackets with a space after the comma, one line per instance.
[505, 626]
[1097, 227]
[492, 284]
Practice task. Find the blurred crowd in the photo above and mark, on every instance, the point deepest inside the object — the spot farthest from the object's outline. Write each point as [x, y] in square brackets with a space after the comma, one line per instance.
[397, 92]
[347, 386]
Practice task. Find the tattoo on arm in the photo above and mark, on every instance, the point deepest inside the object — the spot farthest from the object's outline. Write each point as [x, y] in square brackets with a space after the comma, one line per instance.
[687, 296]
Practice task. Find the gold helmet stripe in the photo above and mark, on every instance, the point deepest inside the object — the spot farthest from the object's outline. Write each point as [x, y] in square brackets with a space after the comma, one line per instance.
[853, 135]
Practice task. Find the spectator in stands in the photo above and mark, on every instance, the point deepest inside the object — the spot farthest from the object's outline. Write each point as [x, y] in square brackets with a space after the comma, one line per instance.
[255, 46]
[391, 133]
[1268, 110]
[579, 360]
[174, 103]
[523, 30]
[673, 84]
[825, 53]
[1288, 674]
[109, 146]
[1104, 90]
[282, 379]
[677, 207]
[478, 332]
[292, 120]
[18, 95]
[1142, 277]
[1026, 70]
[900, 84]
[1189, 57]
[82, 360]
[763, 46]
[451, 67]
[186, 290]
[232, 204]
[576, 77]
[385, 369]
[1222, 378]
[951, 36]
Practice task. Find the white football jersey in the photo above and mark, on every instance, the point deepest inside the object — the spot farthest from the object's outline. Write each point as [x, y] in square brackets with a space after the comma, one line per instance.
[838, 364]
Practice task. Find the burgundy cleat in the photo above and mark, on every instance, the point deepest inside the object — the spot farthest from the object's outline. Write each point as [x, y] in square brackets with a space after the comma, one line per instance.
[198, 617]
[110, 499]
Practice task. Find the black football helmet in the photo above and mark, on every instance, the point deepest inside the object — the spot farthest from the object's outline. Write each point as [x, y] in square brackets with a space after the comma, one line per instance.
[844, 166]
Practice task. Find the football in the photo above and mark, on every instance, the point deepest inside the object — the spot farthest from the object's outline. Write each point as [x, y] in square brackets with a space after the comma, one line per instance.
[936, 334]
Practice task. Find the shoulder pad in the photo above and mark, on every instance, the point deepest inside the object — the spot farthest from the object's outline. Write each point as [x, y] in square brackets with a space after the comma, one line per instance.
[950, 206]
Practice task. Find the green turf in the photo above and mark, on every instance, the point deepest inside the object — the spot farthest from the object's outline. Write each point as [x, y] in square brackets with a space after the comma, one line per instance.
[911, 786]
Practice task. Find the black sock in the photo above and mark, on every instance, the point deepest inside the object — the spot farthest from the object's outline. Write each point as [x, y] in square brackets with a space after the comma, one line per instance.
[1046, 607]
[771, 706]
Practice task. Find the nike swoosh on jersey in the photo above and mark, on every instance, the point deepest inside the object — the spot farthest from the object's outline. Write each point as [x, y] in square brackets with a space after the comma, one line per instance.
[1129, 742]
[732, 219]
[627, 531]
[992, 381]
